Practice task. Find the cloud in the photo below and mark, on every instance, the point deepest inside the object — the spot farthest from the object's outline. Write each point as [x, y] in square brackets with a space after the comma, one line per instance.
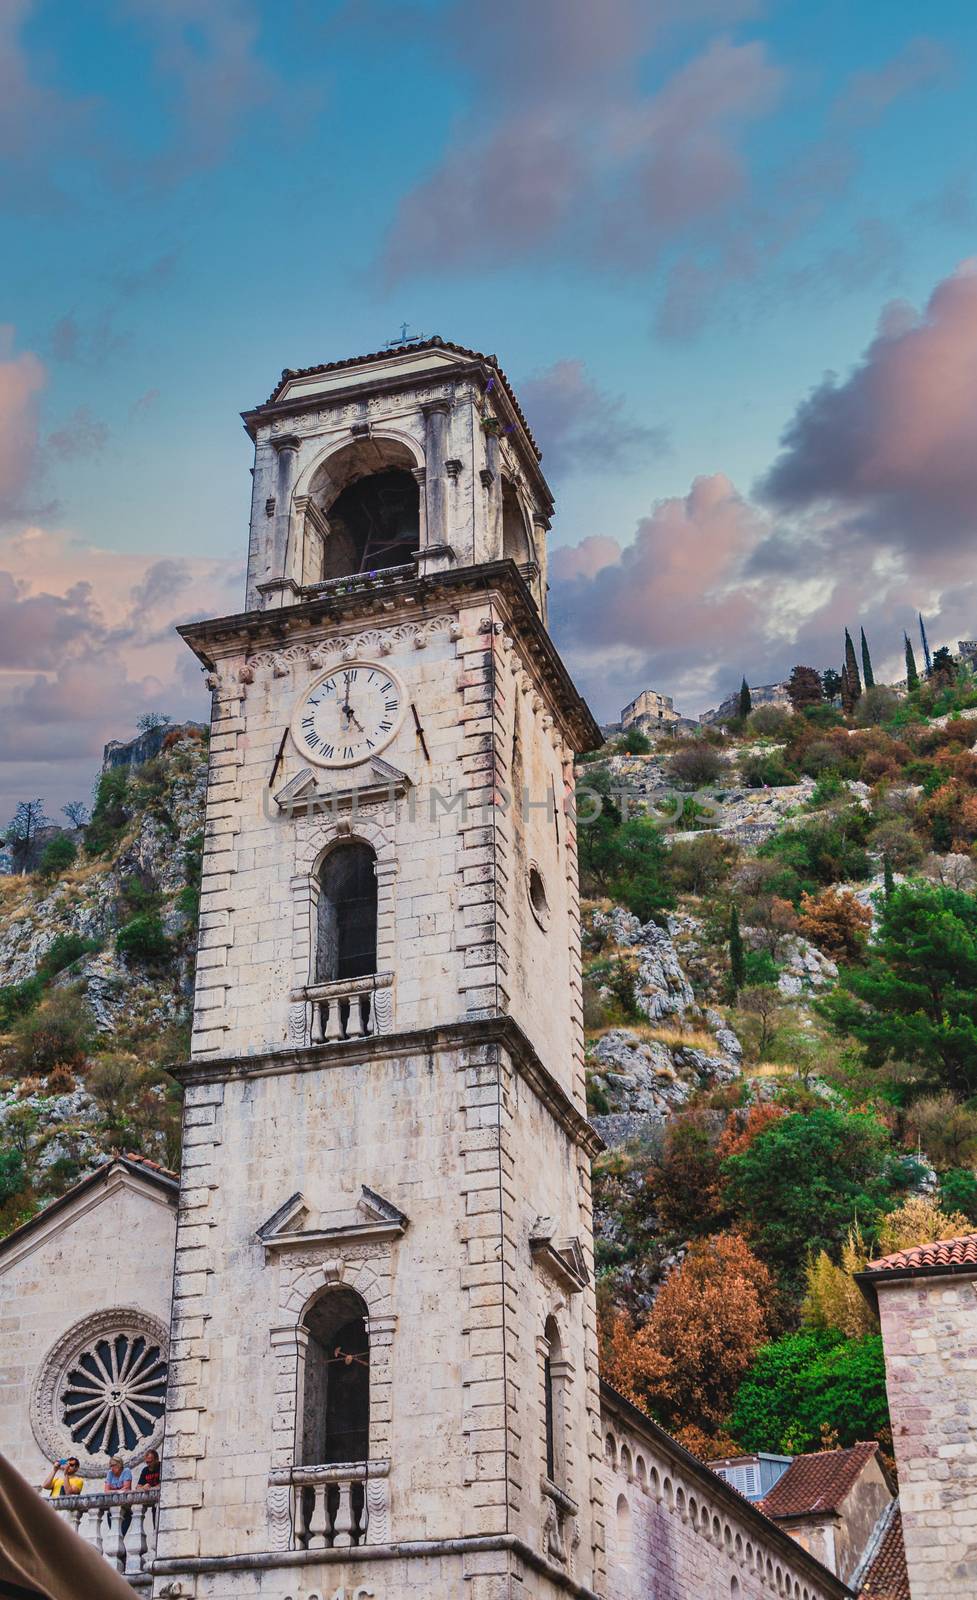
[89, 647]
[892, 449]
[210, 67]
[142, 406]
[22, 378]
[35, 120]
[82, 435]
[919, 65]
[579, 427]
[581, 157]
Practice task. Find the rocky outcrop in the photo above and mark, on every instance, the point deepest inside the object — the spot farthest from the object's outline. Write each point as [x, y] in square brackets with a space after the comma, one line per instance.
[661, 988]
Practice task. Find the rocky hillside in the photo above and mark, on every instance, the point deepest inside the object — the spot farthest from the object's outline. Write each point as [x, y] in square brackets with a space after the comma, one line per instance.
[780, 987]
[96, 972]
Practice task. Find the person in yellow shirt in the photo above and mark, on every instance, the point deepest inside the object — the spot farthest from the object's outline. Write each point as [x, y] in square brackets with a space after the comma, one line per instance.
[64, 1478]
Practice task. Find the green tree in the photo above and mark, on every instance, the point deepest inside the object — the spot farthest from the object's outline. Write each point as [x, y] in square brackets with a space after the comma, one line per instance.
[803, 1182]
[804, 688]
[57, 856]
[926, 646]
[831, 682]
[958, 1192]
[807, 1381]
[737, 955]
[746, 700]
[867, 674]
[912, 676]
[888, 881]
[142, 939]
[851, 668]
[12, 1174]
[915, 998]
[943, 671]
[636, 743]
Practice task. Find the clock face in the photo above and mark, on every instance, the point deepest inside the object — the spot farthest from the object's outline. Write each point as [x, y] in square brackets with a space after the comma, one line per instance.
[349, 714]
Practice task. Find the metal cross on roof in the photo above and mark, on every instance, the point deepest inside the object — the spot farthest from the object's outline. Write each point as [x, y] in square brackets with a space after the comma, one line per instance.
[404, 337]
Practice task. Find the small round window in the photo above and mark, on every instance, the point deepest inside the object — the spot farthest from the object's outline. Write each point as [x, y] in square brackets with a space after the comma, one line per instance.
[537, 896]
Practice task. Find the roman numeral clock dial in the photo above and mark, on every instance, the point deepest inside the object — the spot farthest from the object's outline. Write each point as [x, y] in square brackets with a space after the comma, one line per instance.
[349, 714]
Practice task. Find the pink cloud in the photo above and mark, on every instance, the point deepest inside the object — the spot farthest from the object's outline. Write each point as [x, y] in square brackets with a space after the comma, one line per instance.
[920, 64]
[21, 380]
[580, 157]
[893, 447]
[87, 643]
[579, 426]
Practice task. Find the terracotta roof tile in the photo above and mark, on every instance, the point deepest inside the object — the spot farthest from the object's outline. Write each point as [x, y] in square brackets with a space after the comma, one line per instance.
[154, 1166]
[944, 1255]
[434, 343]
[817, 1482]
[887, 1577]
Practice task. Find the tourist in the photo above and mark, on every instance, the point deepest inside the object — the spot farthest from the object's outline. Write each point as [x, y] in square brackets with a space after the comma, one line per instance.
[149, 1476]
[64, 1478]
[118, 1479]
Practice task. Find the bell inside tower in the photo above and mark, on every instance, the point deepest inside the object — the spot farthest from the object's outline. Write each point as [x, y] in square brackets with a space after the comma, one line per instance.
[368, 500]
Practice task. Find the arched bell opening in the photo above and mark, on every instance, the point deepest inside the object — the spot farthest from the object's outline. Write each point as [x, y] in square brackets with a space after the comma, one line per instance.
[366, 509]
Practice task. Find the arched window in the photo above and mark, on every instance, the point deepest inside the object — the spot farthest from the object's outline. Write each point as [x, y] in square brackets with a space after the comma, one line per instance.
[516, 544]
[623, 1536]
[336, 1391]
[346, 933]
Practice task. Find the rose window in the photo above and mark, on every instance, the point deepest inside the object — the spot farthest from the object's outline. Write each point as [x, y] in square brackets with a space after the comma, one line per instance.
[102, 1389]
[113, 1396]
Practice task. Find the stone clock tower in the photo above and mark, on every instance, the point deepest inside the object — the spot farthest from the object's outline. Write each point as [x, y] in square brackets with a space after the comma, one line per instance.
[383, 1363]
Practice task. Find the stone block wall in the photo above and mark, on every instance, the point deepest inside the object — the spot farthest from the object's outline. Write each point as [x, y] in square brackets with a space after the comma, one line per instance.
[929, 1328]
[676, 1531]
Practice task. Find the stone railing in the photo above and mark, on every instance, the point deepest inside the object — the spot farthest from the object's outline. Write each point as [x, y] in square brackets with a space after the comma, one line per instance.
[99, 1519]
[330, 1507]
[350, 1008]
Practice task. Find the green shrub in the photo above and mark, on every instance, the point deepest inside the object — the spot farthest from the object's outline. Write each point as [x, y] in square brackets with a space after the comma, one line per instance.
[635, 743]
[142, 940]
[760, 968]
[109, 813]
[825, 850]
[766, 769]
[809, 1381]
[57, 856]
[17, 999]
[58, 1032]
[958, 1192]
[803, 1182]
[12, 1174]
[63, 952]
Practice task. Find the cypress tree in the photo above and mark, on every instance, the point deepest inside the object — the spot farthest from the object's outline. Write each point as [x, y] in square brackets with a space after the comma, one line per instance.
[746, 699]
[867, 673]
[912, 676]
[737, 956]
[888, 881]
[851, 667]
[926, 645]
[847, 697]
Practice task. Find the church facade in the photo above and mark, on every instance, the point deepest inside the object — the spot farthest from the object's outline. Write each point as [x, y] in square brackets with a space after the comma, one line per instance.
[383, 1375]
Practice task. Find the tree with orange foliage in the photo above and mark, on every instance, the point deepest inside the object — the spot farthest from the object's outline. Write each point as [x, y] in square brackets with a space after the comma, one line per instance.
[685, 1186]
[687, 1360]
[737, 1137]
[837, 923]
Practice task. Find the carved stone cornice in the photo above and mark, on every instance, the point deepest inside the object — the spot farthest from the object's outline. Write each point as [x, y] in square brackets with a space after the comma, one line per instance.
[253, 631]
[468, 1032]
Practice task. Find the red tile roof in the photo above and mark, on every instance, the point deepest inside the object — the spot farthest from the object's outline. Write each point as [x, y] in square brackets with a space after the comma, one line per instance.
[945, 1255]
[434, 343]
[886, 1577]
[154, 1166]
[817, 1483]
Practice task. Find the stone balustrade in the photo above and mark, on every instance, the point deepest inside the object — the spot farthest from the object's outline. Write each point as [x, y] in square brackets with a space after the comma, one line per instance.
[99, 1519]
[350, 1008]
[338, 1506]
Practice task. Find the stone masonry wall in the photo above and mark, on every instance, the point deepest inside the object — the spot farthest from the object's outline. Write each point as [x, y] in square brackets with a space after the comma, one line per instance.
[674, 1539]
[929, 1329]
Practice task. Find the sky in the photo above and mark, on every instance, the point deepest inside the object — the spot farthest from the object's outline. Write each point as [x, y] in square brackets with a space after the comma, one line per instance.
[726, 251]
